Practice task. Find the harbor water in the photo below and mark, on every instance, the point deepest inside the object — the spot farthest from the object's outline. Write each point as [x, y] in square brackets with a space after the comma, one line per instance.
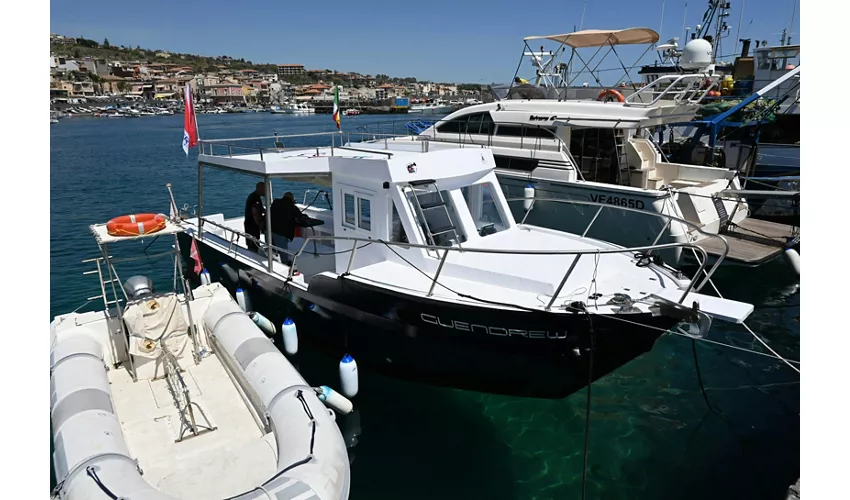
[654, 433]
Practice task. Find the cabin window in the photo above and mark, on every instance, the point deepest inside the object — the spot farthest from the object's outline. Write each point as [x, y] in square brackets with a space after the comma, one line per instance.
[594, 150]
[397, 233]
[480, 123]
[530, 131]
[357, 211]
[350, 214]
[364, 214]
[481, 201]
[507, 162]
[453, 126]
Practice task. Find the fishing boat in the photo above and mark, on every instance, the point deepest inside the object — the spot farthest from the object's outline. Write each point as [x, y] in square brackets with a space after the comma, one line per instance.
[351, 112]
[180, 394]
[418, 262]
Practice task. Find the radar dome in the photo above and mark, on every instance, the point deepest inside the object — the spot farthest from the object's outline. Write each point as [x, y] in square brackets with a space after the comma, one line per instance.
[696, 54]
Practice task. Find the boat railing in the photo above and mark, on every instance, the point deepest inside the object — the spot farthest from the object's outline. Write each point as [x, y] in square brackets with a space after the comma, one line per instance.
[678, 88]
[644, 253]
[531, 137]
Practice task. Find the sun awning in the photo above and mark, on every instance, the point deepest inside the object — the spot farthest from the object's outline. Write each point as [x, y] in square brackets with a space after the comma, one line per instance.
[598, 38]
[164, 95]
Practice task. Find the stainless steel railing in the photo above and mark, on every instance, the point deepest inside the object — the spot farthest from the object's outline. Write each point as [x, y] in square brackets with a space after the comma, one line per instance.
[701, 275]
[675, 87]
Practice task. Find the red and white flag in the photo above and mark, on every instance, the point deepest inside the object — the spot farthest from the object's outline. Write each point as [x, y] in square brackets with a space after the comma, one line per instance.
[190, 126]
[193, 253]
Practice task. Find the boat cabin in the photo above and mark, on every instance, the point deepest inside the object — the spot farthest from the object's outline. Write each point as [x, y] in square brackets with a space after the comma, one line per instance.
[425, 199]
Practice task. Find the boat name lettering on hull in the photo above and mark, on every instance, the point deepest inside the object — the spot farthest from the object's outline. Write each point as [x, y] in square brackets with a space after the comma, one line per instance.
[616, 200]
[491, 330]
[537, 118]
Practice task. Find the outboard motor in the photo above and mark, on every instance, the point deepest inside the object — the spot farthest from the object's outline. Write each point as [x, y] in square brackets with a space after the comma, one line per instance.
[138, 287]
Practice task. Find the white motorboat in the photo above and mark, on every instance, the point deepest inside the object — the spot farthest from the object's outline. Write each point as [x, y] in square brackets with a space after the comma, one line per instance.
[435, 281]
[181, 395]
[295, 108]
[438, 107]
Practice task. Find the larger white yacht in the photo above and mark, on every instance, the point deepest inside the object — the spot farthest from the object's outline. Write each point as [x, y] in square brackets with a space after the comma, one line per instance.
[602, 151]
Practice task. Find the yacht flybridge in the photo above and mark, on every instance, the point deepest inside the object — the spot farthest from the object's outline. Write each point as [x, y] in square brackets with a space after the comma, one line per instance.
[418, 270]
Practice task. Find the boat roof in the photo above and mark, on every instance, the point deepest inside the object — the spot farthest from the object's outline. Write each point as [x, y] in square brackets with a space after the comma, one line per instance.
[580, 113]
[317, 164]
[598, 38]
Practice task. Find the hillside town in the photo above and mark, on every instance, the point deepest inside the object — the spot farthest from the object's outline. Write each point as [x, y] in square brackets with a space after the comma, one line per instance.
[222, 82]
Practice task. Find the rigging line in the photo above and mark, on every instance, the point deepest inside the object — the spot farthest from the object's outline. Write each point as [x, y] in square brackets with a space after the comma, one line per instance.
[777, 188]
[748, 230]
[587, 410]
[710, 282]
[673, 332]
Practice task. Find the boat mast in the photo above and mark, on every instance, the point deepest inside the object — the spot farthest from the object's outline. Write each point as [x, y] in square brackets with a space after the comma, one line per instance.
[740, 20]
[790, 25]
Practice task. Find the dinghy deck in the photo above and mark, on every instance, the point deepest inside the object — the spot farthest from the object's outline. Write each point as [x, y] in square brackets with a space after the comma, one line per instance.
[225, 462]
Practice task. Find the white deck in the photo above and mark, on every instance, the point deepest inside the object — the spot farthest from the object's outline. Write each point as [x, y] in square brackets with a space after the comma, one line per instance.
[230, 460]
[525, 280]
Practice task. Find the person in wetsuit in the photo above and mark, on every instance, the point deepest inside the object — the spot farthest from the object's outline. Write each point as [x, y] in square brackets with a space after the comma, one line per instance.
[255, 215]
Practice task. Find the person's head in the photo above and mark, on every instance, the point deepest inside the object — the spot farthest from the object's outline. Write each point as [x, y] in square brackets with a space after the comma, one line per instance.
[288, 196]
[261, 188]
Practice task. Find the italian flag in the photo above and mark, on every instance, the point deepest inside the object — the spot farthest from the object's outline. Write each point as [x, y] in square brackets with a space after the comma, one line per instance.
[336, 107]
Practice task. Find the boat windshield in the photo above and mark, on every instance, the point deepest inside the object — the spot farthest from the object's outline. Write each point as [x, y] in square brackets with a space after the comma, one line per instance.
[485, 212]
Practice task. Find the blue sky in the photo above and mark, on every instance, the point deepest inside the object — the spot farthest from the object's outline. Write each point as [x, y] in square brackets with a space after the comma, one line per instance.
[443, 40]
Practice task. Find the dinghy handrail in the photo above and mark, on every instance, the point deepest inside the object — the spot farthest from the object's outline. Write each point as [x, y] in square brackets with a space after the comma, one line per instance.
[700, 276]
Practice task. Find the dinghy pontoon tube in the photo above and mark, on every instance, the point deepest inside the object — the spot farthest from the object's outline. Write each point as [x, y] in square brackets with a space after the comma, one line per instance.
[92, 459]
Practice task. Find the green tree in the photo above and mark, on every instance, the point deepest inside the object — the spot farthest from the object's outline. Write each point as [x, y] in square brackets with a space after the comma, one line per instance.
[106, 43]
[122, 86]
[77, 54]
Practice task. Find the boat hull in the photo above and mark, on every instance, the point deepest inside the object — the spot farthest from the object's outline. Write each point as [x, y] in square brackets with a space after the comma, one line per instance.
[482, 348]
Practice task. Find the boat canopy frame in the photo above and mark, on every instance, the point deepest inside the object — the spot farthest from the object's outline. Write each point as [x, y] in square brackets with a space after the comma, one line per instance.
[108, 277]
[553, 73]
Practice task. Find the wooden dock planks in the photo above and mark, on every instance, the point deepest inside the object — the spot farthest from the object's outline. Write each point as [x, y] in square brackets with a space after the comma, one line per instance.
[753, 241]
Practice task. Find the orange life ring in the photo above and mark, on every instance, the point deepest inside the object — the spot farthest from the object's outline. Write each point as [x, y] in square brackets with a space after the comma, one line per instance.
[136, 224]
[610, 92]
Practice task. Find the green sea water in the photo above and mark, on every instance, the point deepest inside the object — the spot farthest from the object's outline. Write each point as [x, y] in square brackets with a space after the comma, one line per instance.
[652, 434]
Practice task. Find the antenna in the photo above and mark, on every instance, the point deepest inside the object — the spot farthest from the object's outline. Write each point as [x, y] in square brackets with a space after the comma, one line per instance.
[582, 16]
[791, 24]
[661, 24]
[740, 19]
[684, 21]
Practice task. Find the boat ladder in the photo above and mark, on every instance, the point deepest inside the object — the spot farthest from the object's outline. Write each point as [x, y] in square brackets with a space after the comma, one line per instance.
[722, 213]
[431, 209]
[620, 141]
[106, 283]
[182, 400]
